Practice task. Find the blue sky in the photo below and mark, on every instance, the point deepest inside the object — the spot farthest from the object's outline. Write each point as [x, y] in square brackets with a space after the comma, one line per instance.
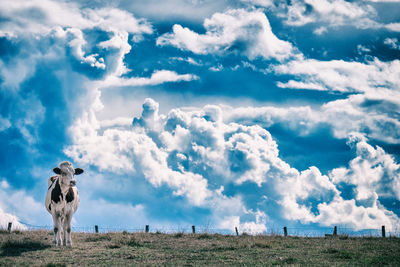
[249, 114]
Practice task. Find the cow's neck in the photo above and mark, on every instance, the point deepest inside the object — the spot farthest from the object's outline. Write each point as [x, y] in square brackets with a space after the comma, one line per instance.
[64, 185]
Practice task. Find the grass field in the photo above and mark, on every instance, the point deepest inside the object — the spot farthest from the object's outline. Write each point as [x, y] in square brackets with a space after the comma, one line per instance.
[33, 248]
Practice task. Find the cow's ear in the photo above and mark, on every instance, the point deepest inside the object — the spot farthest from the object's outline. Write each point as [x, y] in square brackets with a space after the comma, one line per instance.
[57, 170]
[78, 171]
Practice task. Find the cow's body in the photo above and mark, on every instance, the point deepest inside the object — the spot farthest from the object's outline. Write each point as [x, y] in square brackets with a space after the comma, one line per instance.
[62, 201]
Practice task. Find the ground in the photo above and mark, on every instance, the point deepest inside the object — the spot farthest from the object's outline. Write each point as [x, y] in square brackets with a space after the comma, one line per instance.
[34, 248]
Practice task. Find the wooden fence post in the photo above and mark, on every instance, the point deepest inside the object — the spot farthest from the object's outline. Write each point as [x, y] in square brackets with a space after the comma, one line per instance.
[96, 229]
[383, 231]
[9, 227]
[237, 232]
[193, 229]
[285, 231]
[335, 231]
[147, 228]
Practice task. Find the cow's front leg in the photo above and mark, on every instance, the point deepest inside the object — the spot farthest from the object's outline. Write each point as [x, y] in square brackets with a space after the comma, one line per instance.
[57, 230]
[59, 238]
[67, 230]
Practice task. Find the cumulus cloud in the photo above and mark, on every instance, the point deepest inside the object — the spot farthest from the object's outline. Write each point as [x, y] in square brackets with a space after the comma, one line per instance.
[205, 158]
[374, 173]
[74, 38]
[81, 45]
[184, 151]
[246, 32]
[65, 23]
[198, 153]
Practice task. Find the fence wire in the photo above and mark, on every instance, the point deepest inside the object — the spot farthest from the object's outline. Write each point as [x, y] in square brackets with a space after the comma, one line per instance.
[291, 231]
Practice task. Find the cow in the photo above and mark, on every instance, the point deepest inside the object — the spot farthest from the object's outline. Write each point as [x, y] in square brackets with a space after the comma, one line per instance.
[62, 201]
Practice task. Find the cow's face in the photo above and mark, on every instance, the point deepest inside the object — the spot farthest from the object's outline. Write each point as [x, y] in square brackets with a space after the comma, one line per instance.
[67, 172]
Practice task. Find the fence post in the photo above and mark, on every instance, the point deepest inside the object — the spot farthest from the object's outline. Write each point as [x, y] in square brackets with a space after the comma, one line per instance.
[335, 231]
[9, 227]
[237, 232]
[96, 229]
[383, 231]
[285, 231]
[193, 229]
[147, 228]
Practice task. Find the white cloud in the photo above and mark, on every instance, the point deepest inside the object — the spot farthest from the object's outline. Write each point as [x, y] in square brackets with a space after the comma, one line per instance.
[257, 224]
[238, 30]
[159, 148]
[362, 49]
[393, 43]
[260, 3]
[346, 212]
[132, 152]
[157, 77]
[320, 30]
[193, 10]
[74, 38]
[188, 60]
[330, 12]
[19, 206]
[195, 153]
[4, 124]
[219, 67]
[374, 113]
[18, 69]
[372, 180]
[6, 218]
[41, 16]
[113, 215]
[374, 172]
[66, 25]
[302, 119]
[341, 76]
[392, 27]
[302, 85]
[198, 152]
[371, 107]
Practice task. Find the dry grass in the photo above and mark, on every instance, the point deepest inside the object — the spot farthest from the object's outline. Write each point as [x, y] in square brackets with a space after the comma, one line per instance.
[132, 249]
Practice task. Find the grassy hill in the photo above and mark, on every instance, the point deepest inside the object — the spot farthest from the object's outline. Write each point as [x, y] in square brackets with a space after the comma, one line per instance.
[33, 248]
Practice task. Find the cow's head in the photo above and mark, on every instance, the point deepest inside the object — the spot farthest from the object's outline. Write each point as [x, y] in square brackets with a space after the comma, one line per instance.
[67, 172]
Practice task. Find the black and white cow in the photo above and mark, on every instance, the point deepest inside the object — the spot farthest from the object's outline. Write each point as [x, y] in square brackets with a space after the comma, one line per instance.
[62, 201]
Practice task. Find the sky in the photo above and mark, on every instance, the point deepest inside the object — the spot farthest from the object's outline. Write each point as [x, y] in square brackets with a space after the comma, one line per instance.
[251, 113]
